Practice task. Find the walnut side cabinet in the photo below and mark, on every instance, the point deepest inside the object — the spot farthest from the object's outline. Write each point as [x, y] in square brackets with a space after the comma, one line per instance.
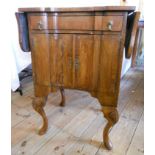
[78, 48]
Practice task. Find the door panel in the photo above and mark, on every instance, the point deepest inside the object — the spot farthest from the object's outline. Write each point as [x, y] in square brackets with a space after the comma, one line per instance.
[109, 60]
[61, 59]
[40, 52]
[83, 59]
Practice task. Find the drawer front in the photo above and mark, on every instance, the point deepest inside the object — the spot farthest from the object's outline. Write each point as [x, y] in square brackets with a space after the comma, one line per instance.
[108, 23]
[61, 22]
[38, 22]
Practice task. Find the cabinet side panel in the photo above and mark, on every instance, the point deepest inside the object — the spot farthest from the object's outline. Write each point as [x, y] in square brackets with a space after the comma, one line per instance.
[109, 59]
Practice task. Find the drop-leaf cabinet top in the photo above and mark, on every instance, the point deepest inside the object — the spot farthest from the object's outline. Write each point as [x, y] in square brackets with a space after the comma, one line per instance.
[78, 48]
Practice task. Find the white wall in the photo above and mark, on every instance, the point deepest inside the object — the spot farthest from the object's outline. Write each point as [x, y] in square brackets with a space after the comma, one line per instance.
[126, 64]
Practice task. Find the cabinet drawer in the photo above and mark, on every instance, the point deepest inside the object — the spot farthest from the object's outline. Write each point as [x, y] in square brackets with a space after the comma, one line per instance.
[108, 23]
[61, 22]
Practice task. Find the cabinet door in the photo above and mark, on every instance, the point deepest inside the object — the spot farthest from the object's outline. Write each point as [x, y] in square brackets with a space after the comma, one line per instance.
[108, 66]
[61, 59]
[83, 61]
[40, 59]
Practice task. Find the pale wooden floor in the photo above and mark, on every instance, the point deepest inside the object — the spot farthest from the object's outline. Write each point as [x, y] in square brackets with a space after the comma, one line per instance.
[77, 128]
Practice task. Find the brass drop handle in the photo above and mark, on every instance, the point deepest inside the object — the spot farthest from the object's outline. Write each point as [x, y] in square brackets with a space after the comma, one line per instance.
[110, 24]
[40, 25]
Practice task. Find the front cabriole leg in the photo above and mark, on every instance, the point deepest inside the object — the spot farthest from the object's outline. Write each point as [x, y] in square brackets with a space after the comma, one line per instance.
[111, 114]
[38, 104]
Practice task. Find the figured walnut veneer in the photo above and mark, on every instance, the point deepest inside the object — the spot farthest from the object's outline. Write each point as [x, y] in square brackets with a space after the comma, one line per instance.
[79, 48]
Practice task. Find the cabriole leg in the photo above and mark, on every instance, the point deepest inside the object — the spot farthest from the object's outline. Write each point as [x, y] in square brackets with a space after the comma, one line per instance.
[38, 104]
[62, 91]
[111, 114]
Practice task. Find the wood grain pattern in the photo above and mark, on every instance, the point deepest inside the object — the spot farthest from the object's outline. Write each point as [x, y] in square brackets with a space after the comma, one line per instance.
[110, 48]
[83, 61]
[61, 59]
[41, 54]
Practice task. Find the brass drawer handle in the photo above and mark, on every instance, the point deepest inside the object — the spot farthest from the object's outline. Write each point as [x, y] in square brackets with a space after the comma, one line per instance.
[40, 25]
[110, 24]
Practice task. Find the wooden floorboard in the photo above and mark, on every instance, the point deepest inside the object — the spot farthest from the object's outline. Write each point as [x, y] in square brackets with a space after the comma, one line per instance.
[76, 129]
[137, 144]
